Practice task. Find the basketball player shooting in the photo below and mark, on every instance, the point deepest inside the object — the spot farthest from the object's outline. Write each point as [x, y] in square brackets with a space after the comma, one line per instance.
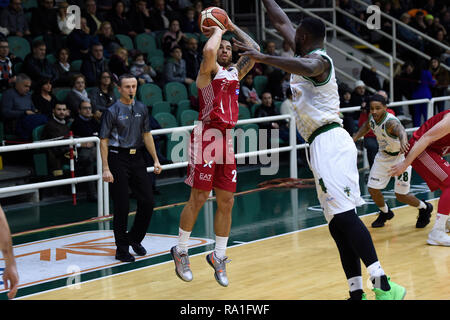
[333, 153]
[218, 90]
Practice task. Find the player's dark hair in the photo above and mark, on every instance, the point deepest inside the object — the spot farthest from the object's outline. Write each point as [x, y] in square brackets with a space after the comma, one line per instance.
[379, 98]
[315, 27]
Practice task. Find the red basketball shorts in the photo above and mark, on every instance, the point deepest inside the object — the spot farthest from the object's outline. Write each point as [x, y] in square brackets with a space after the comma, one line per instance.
[434, 169]
[211, 160]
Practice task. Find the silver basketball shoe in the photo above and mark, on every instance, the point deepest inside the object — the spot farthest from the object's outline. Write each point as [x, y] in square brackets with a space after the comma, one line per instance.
[218, 265]
[182, 265]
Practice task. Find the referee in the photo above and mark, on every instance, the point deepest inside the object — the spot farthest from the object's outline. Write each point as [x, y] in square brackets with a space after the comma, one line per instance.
[125, 130]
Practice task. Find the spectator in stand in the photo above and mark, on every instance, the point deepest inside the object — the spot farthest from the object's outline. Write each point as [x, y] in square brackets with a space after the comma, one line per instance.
[63, 69]
[175, 68]
[7, 77]
[57, 127]
[248, 94]
[347, 117]
[64, 19]
[267, 109]
[193, 58]
[407, 35]
[160, 16]
[107, 38]
[286, 50]
[93, 22]
[143, 72]
[119, 22]
[93, 66]
[104, 7]
[369, 76]
[419, 22]
[79, 41]
[76, 95]
[13, 18]
[139, 18]
[43, 99]
[359, 98]
[442, 77]
[102, 96]
[174, 37]
[18, 110]
[36, 64]
[84, 125]
[422, 91]
[188, 22]
[45, 23]
[271, 49]
[198, 7]
[118, 64]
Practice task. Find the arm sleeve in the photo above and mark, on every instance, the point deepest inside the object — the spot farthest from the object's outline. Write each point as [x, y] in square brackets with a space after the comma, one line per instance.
[106, 124]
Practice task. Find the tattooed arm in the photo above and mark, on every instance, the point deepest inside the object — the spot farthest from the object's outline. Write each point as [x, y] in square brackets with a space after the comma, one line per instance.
[362, 131]
[244, 64]
[396, 129]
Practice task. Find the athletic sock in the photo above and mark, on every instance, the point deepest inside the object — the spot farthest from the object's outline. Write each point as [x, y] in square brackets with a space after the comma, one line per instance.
[355, 283]
[422, 205]
[221, 246]
[378, 277]
[441, 220]
[384, 209]
[183, 239]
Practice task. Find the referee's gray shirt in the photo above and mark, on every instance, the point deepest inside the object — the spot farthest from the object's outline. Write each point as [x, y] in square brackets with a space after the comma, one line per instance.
[124, 124]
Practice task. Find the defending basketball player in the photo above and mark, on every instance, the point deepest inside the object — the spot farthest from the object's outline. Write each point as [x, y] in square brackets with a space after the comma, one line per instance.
[392, 144]
[333, 153]
[429, 144]
[218, 90]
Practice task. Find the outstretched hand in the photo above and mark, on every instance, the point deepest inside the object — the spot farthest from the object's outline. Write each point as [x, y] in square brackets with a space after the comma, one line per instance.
[398, 169]
[248, 51]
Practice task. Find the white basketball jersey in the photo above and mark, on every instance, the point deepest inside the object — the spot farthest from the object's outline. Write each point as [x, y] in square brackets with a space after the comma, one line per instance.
[386, 142]
[315, 104]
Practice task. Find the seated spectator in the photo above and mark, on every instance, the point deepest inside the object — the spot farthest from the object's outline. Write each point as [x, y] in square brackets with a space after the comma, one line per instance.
[45, 23]
[103, 7]
[248, 94]
[18, 110]
[119, 21]
[287, 50]
[407, 35]
[268, 109]
[79, 41]
[139, 18]
[76, 95]
[13, 18]
[63, 69]
[143, 72]
[57, 127]
[102, 96]
[442, 77]
[175, 68]
[93, 22]
[419, 22]
[43, 99]
[188, 23]
[160, 16]
[193, 58]
[36, 64]
[107, 38]
[64, 19]
[118, 64]
[287, 107]
[271, 49]
[359, 98]
[93, 66]
[349, 122]
[369, 76]
[437, 51]
[6, 71]
[172, 38]
[84, 125]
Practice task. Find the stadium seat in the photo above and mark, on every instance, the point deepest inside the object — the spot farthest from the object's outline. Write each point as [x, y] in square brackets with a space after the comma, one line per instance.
[76, 65]
[145, 43]
[28, 4]
[182, 105]
[243, 143]
[260, 83]
[166, 120]
[181, 153]
[39, 156]
[125, 41]
[17, 68]
[149, 94]
[20, 47]
[157, 63]
[51, 58]
[278, 105]
[175, 91]
[61, 94]
[244, 113]
[156, 53]
[188, 117]
[193, 91]
[254, 108]
[161, 106]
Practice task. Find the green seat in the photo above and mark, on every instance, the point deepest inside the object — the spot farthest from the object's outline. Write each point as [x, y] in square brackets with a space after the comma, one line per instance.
[157, 63]
[149, 94]
[28, 4]
[193, 91]
[39, 157]
[37, 132]
[61, 94]
[248, 141]
[51, 58]
[277, 105]
[125, 41]
[161, 106]
[19, 46]
[177, 146]
[166, 120]
[156, 53]
[182, 105]
[244, 113]
[116, 92]
[76, 65]
[174, 92]
[188, 117]
[145, 42]
[260, 83]
[254, 108]
[17, 68]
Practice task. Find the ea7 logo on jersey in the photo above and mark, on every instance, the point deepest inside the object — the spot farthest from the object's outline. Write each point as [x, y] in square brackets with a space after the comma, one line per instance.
[205, 176]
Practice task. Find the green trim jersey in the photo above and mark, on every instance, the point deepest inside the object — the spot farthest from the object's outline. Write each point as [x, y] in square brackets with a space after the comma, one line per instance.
[315, 103]
[386, 142]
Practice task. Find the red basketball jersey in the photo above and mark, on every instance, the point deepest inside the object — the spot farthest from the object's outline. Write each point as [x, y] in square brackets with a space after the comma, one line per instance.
[441, 146]
[219, 107]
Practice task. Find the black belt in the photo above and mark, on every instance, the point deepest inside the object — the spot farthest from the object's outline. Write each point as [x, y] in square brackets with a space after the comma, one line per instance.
[322, 129]
[392, 153]
[131, 151]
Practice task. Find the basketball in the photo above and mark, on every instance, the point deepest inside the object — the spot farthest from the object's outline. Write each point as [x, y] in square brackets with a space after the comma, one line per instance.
[213, 16]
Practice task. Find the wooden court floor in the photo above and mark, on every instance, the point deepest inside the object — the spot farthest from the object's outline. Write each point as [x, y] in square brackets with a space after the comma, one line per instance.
[301, 265]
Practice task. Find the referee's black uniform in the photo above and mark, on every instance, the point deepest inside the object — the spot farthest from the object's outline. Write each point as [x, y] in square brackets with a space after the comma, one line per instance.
[123, 125]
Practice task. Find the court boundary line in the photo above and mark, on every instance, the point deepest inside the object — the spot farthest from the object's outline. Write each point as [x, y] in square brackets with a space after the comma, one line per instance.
[206, 252]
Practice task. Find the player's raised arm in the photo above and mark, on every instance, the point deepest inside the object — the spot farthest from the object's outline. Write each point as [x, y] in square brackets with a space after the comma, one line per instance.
[209, 64]
[362, 131]
[244, 64]
[281, 22]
